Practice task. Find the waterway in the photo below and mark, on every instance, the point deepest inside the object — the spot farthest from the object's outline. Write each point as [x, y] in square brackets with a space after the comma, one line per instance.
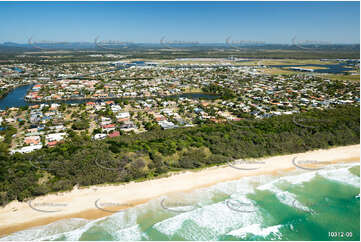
[16, 98]
[334, 68]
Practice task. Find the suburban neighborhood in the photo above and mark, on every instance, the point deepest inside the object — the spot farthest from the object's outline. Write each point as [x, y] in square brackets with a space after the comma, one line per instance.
[139, 96]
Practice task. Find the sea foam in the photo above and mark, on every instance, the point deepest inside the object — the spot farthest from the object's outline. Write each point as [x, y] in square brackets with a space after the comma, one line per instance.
[217, 218]
[256, 229]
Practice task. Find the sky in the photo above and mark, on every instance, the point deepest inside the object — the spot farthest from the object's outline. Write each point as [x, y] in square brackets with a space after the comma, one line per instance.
[203, 22]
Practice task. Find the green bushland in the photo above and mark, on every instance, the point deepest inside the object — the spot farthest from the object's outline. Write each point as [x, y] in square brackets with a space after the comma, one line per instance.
[85, 162]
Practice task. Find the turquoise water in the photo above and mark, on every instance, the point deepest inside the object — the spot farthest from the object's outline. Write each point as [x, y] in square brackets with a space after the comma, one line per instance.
[300, 205]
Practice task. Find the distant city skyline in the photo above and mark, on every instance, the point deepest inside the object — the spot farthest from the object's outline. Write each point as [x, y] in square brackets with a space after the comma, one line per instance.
[181, 22]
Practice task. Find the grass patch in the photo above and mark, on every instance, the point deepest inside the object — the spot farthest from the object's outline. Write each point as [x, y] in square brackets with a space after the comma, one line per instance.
[341, 77]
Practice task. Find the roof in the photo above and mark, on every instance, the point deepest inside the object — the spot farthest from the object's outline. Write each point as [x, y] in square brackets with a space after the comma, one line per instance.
[108, 126]
[52, 143]
[114, 134]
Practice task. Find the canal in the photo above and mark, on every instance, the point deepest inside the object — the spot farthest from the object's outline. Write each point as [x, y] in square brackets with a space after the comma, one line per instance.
[16, 98]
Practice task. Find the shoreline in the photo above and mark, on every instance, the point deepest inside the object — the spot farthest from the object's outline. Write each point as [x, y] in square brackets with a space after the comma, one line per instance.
[82, 202]
[90, 99]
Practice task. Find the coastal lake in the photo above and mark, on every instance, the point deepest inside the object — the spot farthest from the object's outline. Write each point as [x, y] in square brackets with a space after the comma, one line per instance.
[16, 98]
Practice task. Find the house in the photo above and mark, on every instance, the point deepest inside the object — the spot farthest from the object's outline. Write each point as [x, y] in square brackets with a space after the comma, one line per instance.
[27, 149]
[34, 118]
[159, 118]
[116, 108]
[99, 136]
[32, 140]
[123, 120]
[10, 120]
[57, 127]
[108, 128]
[54, 106]
[105, 121]
[52, 143]
[167, 112]
[198, 110]
[127, 126]
[109, 102]
[92, 104]
[123, 115]
[167, 125]
[114, 134]
[304, 100]
[55, 137]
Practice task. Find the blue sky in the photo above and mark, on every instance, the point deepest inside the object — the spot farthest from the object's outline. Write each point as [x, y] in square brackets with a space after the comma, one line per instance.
[148, 22]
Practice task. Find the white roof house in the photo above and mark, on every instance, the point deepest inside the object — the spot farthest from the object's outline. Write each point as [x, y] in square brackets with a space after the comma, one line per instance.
[27, 149]
[100, 136]
[55, 137]
[123, 115]
[167, 125]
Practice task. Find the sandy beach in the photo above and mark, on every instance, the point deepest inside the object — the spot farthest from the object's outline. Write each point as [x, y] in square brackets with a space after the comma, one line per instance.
[98, 201]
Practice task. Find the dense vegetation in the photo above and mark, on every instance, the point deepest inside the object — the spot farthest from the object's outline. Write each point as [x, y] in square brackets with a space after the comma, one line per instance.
[10, 54]
[222, 92]
[3, 92]
[133, 157]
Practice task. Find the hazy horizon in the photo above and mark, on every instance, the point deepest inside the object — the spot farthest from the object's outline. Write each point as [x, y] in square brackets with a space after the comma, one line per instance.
[202, 22]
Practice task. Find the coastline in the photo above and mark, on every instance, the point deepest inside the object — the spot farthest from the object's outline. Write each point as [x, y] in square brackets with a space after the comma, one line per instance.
[81, 203]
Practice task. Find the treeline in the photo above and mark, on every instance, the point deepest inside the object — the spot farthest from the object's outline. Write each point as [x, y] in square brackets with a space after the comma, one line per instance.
[10, 54]
[83, 161]
[222, 92]
[3, 92]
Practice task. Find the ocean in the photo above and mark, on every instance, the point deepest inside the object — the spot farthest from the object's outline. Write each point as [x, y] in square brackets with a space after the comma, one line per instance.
[299, 205]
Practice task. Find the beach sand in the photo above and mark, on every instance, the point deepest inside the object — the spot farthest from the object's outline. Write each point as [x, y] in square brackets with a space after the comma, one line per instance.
[85, 202]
